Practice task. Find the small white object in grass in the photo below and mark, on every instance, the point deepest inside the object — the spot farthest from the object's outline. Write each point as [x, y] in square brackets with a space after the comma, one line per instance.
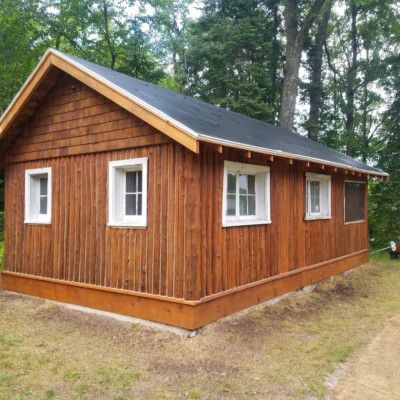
[309, 288]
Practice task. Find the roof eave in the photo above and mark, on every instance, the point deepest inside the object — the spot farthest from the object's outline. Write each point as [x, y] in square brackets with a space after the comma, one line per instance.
[277, 153]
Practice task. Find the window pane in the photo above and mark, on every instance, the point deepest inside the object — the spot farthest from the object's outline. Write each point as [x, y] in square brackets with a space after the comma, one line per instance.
[139, 176]
[315, 196]
[139, 204]
[315, 205]
[252, 205]
[231, 182]
[231, 204]
[243, 205]
[251, 183]
[242, 184]
[130, 204]
[131, 181]
[43, 205]
[43, 186]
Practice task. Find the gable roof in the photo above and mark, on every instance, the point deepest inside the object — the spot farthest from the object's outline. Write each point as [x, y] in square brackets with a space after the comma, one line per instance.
[183, 118]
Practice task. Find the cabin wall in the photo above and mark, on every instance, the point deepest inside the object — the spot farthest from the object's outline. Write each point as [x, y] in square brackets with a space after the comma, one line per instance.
[184, 252]
[78, 246]
[236, 256]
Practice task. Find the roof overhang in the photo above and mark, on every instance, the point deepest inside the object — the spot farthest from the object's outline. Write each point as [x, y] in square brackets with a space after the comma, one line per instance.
[262, 150]
[182, 134]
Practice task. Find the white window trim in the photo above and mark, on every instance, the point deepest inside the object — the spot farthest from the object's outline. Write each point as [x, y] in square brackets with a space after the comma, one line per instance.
[309, 216]
[358, 221]
[42, 219]
[139, 221]
[230, 166]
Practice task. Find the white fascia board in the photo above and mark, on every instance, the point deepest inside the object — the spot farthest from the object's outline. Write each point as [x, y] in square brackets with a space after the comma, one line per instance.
[278, 153]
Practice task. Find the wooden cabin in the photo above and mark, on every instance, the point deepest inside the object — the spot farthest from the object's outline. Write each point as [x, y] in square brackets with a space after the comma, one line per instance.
[126, 197]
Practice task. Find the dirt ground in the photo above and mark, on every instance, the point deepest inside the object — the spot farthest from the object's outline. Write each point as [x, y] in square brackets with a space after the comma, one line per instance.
[282, 351]
[374, 373]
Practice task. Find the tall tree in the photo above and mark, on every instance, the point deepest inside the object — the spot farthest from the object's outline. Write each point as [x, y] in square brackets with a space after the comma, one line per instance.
[22, 42]
[169, 25]
[384, 208]
[234, 56]
[351, 79]
[315, 59]
[299, 18]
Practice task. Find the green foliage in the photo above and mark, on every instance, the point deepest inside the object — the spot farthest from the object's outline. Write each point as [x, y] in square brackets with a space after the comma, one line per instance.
[100, 31]
[233, 57]
[384, 208]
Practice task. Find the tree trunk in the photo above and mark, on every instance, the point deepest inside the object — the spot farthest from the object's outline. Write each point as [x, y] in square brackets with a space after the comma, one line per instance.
[365, 106]
[315, 62]
[290, 88]
[275, 54]
[107, 35]
[295, 37]
[351, 83]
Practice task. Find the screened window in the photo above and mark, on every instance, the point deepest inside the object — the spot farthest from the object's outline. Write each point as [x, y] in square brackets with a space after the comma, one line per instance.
[246, 194]
[354, 201]
[318, 196]
[128, 192]
[38, 196]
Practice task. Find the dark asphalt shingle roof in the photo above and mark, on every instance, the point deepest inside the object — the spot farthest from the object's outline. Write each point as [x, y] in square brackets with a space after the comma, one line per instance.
[209, 121]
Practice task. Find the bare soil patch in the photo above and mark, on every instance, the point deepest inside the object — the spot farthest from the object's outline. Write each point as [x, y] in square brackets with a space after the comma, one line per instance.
[374, 373]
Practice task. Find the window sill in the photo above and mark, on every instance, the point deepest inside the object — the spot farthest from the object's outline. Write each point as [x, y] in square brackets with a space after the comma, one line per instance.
[127, 225]
[316, 218]
[360, 221]
[37, 222]
[227, 224]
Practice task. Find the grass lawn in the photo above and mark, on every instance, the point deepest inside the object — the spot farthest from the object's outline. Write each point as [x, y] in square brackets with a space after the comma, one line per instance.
[284, 351]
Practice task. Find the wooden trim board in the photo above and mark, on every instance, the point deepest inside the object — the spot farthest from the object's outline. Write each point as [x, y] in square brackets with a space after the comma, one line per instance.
[185, 314]
[219, 307]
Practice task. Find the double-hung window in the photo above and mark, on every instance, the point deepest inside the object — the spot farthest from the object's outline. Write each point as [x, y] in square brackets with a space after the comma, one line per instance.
[128, 193]
[318, 196]
[38, 196]
[246, 194]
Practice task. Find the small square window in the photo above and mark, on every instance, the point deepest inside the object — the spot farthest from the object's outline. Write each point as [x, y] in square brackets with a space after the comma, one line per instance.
[38, 196]
[318, 196]
[128, 193]
[246, 194]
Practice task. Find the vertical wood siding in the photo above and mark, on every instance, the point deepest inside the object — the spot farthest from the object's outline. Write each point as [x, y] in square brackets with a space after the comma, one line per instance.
[184, 252]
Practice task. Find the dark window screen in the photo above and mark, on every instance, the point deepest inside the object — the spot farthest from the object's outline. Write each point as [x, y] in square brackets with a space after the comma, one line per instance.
[354, 201]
